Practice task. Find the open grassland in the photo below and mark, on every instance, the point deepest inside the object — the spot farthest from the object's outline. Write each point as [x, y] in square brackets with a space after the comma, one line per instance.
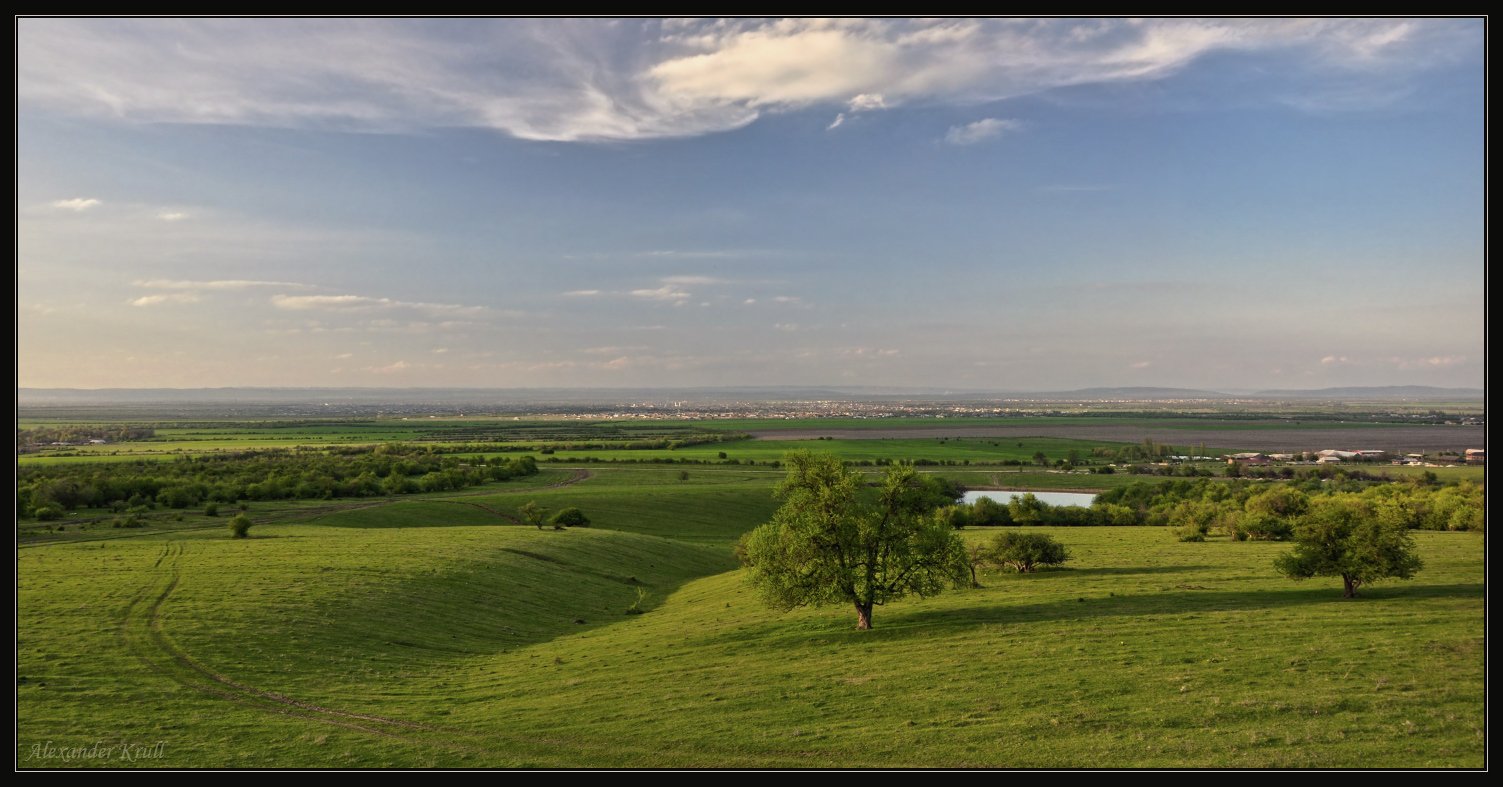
[430, 631]
[1347, 437]
[959, 439]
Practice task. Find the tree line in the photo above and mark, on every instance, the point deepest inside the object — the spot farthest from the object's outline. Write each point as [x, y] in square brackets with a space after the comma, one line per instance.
[36, 438]
[1239, 509]
[45, 491]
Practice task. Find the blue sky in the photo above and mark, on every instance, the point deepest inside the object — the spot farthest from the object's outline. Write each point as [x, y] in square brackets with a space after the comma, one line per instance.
[998, 204]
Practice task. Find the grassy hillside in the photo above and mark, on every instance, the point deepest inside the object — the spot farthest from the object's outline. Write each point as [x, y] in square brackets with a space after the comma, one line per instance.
[432, 632]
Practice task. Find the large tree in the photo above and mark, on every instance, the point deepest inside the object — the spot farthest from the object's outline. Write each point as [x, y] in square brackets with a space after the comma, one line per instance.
[836, 541]
[1341, 535]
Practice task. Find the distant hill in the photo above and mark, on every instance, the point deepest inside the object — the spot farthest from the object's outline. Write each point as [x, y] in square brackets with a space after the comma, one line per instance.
[1131, 392]
[1426, 392]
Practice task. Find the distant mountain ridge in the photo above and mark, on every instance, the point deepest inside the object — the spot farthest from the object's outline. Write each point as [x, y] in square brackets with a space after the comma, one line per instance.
[1377, 392]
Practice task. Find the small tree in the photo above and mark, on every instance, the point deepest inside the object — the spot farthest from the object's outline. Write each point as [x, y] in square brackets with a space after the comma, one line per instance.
[240, 526]
[1024, 551]
[1341, 535]
[533, 514]
[569, 517]
[833, 541]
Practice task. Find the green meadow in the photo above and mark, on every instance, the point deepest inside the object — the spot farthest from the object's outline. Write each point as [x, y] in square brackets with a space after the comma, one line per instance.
[431, 630]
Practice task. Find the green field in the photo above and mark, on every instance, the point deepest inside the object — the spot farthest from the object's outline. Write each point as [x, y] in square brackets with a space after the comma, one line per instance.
[430, 631]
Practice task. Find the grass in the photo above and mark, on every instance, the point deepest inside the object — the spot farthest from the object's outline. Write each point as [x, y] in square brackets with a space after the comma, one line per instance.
[427, 632]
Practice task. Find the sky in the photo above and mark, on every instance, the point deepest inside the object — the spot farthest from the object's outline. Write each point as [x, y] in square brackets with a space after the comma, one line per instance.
[998, 204]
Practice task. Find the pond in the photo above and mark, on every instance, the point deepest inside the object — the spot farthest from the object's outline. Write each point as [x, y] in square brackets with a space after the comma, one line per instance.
[1052, 498]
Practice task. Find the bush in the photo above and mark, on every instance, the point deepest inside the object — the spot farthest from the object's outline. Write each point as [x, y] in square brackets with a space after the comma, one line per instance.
[48, 513]
[569, 517]
[1024, 551]
[1192, 532]
[211, 509]
[240, 526]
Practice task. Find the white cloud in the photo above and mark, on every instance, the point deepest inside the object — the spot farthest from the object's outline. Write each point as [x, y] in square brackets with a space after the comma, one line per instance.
[666, 292]
[77, 204]
[391, 368]
[165, 297]
[984, 129]
[1428, 362]
[582, 293]
[365, 303]
[1334, 360]
[786, 327]
[836, 123]
[172, 215]
[787, 299]
[1140, 364]
[565, 80]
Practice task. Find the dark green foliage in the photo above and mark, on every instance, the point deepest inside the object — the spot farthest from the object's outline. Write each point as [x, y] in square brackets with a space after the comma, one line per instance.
[212, 509]
[240, 526]
[834, 541]
[569, 517]
[533, 514]
[263, 475]
[1341, 535]
[989, 512]
[1023, 551]
[48, 513]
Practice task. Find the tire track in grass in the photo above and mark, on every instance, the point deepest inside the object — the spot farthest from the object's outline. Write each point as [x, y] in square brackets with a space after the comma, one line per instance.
[142, 632]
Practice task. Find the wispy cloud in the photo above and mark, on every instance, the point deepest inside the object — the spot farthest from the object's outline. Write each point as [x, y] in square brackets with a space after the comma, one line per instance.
[567, 80]
[166, 297]
[981, 130]
[76, 204]
[364, 303]
[666, 292]
[582, 293]
[172, 215]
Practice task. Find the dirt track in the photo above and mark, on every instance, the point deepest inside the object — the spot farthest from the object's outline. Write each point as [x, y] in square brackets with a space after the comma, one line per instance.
[1404, 439]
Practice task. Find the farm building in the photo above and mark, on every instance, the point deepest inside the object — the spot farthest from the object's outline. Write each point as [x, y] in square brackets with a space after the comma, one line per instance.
[1333, 455]
[1247, 459]
[1476, 456]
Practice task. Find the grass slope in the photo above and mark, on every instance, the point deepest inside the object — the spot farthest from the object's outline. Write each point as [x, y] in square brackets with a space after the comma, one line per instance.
[462, 645]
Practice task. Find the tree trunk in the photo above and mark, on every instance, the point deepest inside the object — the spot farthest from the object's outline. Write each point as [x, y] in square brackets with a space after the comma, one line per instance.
[863, 616]
[1351, 586]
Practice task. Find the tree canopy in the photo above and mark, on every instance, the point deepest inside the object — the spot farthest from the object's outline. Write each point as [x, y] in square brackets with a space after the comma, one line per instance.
[835, 541]
[1341, 535]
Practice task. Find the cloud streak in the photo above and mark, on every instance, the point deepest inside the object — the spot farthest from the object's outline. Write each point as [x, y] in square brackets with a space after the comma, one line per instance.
[573, 80]
[76, 204]
[365, 303]
[980, 131]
